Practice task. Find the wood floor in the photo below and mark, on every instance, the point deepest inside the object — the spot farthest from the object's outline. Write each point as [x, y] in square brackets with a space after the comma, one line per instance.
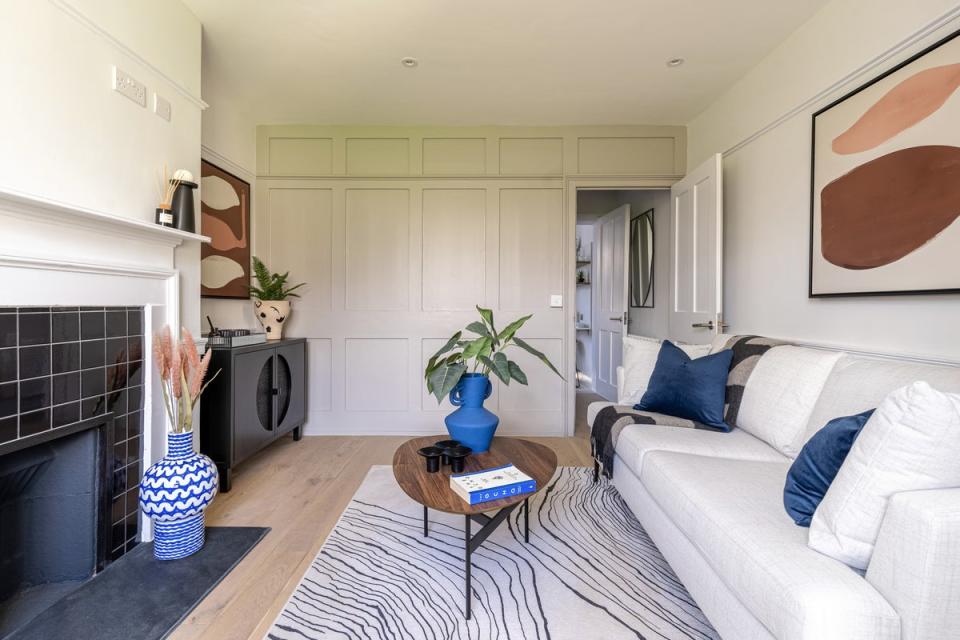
[299, 490]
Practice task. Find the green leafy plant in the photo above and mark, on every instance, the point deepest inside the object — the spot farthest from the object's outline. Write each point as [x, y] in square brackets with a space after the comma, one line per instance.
[484, 353]
[272, 286]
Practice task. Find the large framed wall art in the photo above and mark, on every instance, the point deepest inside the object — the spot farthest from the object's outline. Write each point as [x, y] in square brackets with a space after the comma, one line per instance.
[225, 217]
[885, 183]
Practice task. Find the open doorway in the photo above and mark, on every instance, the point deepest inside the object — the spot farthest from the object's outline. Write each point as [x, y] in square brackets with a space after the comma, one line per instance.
[622, 279]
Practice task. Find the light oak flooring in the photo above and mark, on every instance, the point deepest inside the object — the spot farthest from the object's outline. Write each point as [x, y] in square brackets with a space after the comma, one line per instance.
[299, 490]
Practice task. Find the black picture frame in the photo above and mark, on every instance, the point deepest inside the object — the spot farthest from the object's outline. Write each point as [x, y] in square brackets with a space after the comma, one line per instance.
[634, 256]
[813, 195]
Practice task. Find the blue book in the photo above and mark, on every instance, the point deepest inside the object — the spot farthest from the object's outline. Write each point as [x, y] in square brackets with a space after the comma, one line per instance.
[492, 484]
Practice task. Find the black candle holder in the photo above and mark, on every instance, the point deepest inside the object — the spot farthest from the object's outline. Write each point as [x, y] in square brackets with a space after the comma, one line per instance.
[458, 456]
[444, 445]
[432, 456]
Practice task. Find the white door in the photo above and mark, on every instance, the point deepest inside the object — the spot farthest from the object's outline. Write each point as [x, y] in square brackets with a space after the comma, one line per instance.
[610, 297]
[696, 297]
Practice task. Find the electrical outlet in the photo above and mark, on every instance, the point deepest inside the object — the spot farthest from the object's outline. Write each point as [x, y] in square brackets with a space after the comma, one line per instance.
[556, 301]
[161, 107]
[127, 85]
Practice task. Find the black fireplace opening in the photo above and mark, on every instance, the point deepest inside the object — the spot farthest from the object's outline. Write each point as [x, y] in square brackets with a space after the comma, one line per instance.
[55, 495]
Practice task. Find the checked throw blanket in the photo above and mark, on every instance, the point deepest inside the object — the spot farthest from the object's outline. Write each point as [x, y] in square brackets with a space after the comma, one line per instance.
[610, 421]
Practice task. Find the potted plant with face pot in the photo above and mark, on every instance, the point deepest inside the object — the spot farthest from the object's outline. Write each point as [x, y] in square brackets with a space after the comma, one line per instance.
[271, 303]
[461, 369]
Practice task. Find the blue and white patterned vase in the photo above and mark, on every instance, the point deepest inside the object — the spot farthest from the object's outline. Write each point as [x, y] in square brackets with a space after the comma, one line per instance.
[175, 492]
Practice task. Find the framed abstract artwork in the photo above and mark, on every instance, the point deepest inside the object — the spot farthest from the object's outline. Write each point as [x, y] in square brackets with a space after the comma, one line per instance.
[225, 218]
[885, 182]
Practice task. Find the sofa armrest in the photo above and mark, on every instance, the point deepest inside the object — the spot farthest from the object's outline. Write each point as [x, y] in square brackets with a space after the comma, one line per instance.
[916, 562]
[621, 377]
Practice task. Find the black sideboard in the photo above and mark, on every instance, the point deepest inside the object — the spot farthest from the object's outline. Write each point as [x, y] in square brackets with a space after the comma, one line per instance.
[259, 396]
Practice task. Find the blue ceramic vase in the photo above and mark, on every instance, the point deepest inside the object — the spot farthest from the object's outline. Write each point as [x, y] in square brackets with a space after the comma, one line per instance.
[175, 492]
[471, 424]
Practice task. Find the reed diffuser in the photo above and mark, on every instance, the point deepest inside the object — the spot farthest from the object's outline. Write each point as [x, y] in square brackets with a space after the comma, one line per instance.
[166, 186]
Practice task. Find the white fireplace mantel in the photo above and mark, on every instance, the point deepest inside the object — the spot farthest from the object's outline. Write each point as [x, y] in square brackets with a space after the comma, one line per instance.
[56, 254]
[14, 203]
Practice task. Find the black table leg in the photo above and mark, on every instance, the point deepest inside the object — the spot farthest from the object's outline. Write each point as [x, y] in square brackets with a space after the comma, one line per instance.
[472, 542]
[526, 520]
[424, 522]
[467, 551]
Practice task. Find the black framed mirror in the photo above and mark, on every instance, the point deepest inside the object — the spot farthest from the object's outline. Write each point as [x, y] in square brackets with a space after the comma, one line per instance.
[641, 260]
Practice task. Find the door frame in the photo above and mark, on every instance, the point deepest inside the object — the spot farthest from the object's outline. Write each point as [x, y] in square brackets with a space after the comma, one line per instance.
[573, 184]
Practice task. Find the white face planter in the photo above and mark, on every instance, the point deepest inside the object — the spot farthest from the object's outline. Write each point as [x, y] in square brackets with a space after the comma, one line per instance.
[272, 314]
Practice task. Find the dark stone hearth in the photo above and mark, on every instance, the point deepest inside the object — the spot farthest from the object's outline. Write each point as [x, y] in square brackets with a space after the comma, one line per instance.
[140, 597]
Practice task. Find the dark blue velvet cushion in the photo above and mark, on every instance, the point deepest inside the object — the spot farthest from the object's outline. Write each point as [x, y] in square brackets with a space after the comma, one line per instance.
[817, 465]
[692, 389]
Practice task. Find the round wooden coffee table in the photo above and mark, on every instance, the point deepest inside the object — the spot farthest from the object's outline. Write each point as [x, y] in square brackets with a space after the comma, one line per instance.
[432, 490]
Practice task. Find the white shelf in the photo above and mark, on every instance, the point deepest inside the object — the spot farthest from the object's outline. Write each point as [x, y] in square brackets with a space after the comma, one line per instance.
[33, 206]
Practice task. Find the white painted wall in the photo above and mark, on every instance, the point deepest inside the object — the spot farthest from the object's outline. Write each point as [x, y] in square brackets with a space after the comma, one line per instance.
[763, 125]
[69, 138]
[229, 141]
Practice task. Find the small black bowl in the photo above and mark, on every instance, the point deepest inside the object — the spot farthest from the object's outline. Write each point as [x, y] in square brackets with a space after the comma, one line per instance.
[446, 444]
[432, 455]
[458, 455]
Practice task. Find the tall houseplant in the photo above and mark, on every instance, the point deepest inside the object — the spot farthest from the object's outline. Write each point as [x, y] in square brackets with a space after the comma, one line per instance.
[462, 368]
[176, 491]
[271, 298]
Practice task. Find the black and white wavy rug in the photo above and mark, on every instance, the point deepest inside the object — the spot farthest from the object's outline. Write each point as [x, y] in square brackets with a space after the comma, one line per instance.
[589, 571]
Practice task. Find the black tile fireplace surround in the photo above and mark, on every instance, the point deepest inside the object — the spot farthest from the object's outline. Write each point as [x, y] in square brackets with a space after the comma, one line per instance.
[63, 365]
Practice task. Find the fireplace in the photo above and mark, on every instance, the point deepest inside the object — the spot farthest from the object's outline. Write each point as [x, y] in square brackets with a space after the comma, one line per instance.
[71, 425]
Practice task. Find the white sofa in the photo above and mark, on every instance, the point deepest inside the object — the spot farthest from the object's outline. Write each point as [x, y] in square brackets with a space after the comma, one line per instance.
[713, 504]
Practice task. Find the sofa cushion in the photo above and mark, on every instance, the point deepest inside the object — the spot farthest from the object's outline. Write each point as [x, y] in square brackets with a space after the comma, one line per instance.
[639, 359]
[817, 465]
[911, 443]
[636, 441]
[689, 388]
[858, 383]
[781, 393]
[731, 511]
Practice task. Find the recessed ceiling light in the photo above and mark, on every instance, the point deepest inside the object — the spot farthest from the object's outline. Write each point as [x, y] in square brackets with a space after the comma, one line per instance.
[409, 62]
[675, 62]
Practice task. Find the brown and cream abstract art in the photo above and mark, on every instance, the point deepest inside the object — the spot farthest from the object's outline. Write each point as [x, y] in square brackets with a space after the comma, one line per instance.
[886, 182]
[225, 218]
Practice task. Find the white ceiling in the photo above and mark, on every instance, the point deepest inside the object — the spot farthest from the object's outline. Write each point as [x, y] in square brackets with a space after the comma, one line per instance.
[532, 62]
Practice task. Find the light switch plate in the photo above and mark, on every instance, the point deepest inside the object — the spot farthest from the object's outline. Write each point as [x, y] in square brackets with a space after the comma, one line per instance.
[129, 86]
[161, 107]
[556, 301]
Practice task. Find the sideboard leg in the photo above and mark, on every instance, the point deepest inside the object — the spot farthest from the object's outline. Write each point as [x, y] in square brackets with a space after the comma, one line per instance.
[425, 533]
[297, 433]
[225, 479]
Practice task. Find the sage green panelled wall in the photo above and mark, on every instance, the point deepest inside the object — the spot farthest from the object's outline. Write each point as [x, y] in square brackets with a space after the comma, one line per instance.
[401, 231]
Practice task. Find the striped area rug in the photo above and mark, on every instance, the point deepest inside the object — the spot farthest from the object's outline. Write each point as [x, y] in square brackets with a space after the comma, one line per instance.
[589, 571]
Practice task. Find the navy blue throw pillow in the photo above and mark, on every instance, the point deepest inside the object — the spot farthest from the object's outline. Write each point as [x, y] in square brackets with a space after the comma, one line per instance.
[692, 389]
[817, 465]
